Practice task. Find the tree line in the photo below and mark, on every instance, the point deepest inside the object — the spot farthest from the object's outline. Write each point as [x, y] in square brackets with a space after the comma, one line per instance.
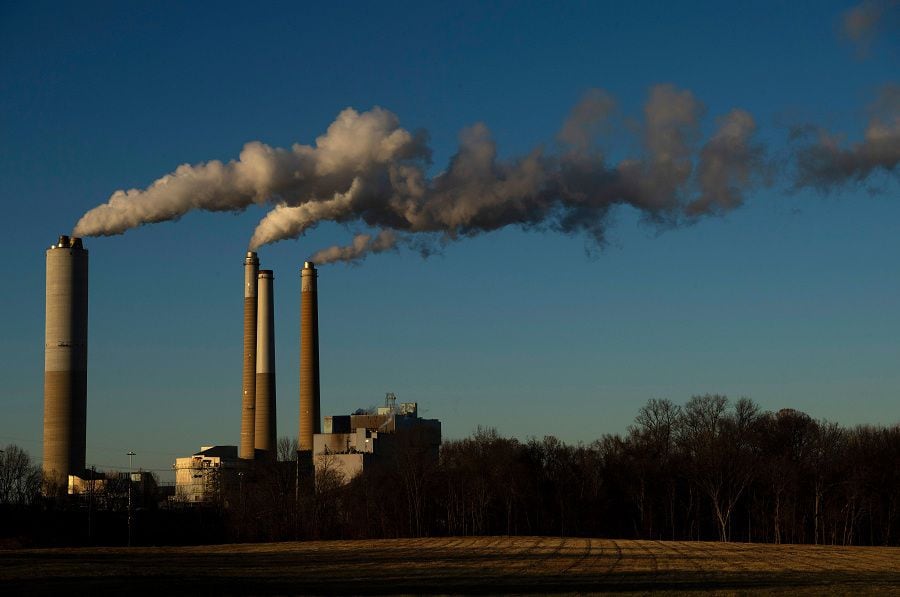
[709, 469]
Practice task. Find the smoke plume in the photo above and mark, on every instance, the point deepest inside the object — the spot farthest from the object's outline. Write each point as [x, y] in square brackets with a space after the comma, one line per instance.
[826, 162]
[581, 127]
[355, 144]
[727, 165]
[674, 179]
[361, 245]
[368, 171]
[862, 23]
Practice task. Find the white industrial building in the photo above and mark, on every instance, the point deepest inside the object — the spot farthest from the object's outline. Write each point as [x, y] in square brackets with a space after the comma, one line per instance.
[200, 478]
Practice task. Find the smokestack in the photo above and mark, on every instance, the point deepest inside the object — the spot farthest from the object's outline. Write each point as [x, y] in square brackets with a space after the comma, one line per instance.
[248, 385]
[65, 361]
[265, 368]
[309, 357]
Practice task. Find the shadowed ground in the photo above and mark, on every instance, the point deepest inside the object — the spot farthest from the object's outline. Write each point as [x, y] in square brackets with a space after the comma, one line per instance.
[452, 565]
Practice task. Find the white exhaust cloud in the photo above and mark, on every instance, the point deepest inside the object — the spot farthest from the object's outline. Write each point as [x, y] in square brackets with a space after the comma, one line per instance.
[675, 179]
[362, 245]
[353, 145]
[368, 171]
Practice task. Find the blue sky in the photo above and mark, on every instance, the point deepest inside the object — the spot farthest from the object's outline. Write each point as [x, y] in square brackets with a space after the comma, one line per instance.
[790, 299]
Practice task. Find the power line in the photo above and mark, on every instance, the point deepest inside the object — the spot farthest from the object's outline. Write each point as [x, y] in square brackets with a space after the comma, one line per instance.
[20, 439]
[94, 447]
[124, 468]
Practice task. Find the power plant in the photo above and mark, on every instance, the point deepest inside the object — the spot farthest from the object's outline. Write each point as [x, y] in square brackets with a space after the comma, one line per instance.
[65, 360]
[355, 441]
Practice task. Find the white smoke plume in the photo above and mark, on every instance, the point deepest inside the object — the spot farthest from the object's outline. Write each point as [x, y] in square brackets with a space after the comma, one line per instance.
[362, 245]
[367, 170]
[353, 145]
[827, 162]
[571, 192]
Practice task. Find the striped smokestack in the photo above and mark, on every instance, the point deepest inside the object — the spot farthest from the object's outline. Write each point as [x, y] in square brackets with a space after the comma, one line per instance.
[309, 357]
[65, 361]
[248, 380]
[265, 368]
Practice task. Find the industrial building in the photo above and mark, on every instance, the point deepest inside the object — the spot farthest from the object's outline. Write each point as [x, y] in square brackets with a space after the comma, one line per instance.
[106, 486]
[203, 476]
[352, 443]
[349, 444]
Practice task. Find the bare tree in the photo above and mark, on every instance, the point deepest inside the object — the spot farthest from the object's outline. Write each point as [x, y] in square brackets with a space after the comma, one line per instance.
[415, 466]
[789, 436]
[287, 449]
[721, 449]
[20, 480]
[652, 442]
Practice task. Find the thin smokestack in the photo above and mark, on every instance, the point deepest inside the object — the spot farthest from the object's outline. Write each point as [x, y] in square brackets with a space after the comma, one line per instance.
[65, 361]
[309, 357]
[265, 367]
[248, 386]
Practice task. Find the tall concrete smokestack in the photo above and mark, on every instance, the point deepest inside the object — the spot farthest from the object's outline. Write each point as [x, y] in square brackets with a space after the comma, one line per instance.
[309, 358]
[248, 385]
[265, 368]
[65, 361]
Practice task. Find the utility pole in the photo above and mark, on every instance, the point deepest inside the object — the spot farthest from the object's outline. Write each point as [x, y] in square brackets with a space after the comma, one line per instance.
[91, 507]
[241, 494]
[131, 456]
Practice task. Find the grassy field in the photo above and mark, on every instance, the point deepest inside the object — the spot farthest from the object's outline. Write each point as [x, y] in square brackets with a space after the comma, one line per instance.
[519, 565]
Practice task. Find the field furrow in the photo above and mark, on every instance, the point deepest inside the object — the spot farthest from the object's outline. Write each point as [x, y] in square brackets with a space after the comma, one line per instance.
[462, 565]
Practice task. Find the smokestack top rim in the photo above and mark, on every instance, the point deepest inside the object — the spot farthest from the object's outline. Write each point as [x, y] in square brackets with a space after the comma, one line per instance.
[69, 242]
[266, 273]
[309, 265]
[251, 258]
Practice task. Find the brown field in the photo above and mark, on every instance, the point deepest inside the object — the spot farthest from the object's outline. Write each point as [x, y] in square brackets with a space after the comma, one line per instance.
[485, 565]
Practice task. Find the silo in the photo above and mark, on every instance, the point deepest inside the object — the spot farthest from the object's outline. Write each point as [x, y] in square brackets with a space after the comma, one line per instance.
[309, 358]
[65, 360]
[248, 379]
[265, 367]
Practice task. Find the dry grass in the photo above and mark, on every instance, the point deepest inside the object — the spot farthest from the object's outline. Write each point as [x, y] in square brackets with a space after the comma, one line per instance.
[453, 565]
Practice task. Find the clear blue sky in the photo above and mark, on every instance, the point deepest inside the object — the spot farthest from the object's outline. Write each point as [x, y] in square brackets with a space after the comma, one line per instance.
[790, 300]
